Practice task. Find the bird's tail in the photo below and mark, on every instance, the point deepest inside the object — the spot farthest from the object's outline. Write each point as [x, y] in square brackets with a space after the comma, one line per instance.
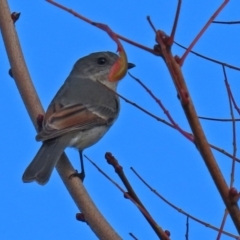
[41, 167]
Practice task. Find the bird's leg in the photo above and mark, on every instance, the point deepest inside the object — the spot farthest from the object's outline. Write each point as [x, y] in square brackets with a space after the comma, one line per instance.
[80, 175]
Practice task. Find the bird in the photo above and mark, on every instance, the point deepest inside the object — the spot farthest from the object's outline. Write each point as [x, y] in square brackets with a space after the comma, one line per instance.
[79, 115]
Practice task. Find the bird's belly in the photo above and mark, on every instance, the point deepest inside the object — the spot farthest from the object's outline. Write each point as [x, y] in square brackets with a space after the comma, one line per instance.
[85, 139]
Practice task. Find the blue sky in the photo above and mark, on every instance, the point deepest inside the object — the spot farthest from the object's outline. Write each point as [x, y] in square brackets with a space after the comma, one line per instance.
[52, 40]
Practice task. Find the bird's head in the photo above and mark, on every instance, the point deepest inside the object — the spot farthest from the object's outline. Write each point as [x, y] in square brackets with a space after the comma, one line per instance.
[102, 66]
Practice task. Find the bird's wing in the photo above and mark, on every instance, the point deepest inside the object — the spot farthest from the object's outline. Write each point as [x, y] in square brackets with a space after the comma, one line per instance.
[59, 119]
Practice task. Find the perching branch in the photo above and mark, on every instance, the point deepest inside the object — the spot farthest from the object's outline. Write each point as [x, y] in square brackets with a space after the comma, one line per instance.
[33, 105]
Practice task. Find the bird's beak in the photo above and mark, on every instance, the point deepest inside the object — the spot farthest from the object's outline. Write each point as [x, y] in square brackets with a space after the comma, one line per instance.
[131, 65]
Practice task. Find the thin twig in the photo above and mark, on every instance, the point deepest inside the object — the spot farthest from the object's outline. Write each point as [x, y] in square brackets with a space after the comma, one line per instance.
[119, 170]
[167, 123]
[234, 148]
[222, 225]
[172, 35]
[191, 115]
[225, 2]
[219, 119]
[226, 22]
[93, 23]
[151, 24]
[173, 124]
[161, 234]
[230, 96]
[179, 209]
[187, 228]
[131, 234]
[209, 59]
[233, 99]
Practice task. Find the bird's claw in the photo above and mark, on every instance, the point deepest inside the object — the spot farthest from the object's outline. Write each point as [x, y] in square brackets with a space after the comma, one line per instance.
[80, 175]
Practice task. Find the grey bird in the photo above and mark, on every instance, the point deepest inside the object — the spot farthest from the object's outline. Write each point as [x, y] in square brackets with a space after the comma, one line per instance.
[79, 115]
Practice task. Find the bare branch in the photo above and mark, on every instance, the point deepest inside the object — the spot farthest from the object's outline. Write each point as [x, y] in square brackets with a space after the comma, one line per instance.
[28, 93]
[160, 233]
[181, 210]
[199, 135]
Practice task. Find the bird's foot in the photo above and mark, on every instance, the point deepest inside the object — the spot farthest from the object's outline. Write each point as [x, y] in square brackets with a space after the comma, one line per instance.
[80, 175]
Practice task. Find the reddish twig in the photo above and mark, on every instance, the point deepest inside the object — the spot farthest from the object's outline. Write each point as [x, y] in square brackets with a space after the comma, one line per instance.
[119, 170]
[180, 210]
[189, 136]
[94, 24]
[191, 115]
[161, 234]
[202, 31]
[175, 125]
[193, 52]
[167, 123]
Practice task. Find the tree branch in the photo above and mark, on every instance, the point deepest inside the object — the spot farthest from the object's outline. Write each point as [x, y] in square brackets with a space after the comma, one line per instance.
[31, 100]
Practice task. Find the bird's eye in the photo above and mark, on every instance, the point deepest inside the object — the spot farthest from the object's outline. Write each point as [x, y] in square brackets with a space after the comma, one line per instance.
[101, 61]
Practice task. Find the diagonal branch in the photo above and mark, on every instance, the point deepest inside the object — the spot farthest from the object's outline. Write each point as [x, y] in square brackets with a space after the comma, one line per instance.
[28, 93]
[134, 199]
[199, 136]
[186, 134]
[180, 210]
[208, 58]
[94, 24]
[225, 2]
